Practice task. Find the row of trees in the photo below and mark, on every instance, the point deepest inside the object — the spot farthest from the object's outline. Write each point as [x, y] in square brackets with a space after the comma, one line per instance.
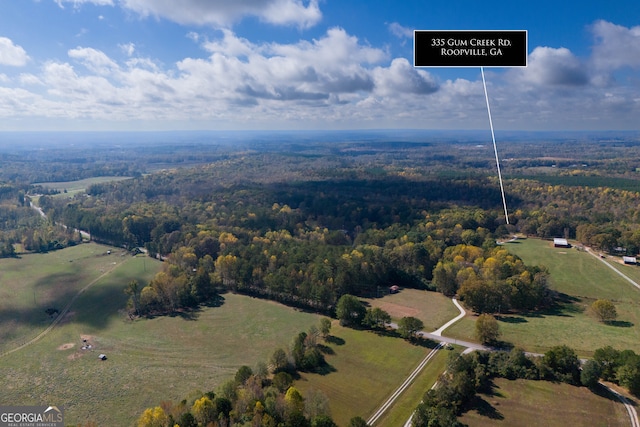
[468, 374]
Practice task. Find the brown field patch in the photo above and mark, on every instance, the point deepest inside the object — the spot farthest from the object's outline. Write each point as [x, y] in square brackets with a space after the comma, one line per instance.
[66, 346]
[397, 310]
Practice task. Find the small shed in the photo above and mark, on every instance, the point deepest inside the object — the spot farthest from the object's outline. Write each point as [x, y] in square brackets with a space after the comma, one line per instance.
[561, 243]
[394, 289]
[629, 260]
[102, 357]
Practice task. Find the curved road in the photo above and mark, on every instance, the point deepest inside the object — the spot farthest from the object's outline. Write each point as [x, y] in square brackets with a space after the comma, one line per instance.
[442, 341]
[437, 336]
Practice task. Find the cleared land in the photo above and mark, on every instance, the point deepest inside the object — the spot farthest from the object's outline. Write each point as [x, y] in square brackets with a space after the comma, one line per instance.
[433, 308]
[582, 279]
[149, 360]
[517, 403]
[33, 283]
[79, 186]
[366, 369]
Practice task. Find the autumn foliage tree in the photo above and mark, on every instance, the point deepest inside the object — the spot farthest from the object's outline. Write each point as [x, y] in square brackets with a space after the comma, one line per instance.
[605, 310]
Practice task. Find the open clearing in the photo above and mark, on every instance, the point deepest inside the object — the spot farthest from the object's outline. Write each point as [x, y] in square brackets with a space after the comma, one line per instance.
[433, 308]
[148, 360]
[79, 186]
[582, 279]
[517, 403]
[368, 369]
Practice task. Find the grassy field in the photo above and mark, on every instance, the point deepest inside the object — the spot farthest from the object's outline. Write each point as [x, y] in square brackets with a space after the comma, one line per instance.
[518, 403]
[149, 360]
[433, 308]
[368, 368]
[583, 279]
[33, 283]
[75, 187]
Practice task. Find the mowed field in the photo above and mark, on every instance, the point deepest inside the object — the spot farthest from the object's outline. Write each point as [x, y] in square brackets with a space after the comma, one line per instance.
[149, 360]
[79, 186]
[581, 278]
[525, 403]
[433, 308]
[366, 369]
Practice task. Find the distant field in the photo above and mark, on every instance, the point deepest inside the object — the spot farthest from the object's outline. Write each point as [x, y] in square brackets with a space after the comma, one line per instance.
[433, 308]
[149, 360]
[583, 278]
[368, 369]
[520, 402]
[75, 187]
[586, 181]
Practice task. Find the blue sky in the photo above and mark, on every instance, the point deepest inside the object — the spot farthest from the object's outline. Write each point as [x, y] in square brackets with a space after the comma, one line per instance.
[309, 64]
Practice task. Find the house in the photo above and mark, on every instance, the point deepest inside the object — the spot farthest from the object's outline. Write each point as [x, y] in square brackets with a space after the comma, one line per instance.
[629, 260]
[561, 243]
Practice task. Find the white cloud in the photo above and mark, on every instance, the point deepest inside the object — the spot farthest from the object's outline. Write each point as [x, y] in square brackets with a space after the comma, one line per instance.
[29, 79]
[400, 31]
[616, 46]
[223, 13]
[128, 48]
[11, 54]
[401, 77]
[333, 81]
[77, 3]
[551, 66]
[94, 60]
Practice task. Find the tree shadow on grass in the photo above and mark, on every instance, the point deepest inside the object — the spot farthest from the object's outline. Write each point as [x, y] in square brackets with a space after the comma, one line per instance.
[564, 305]
[331, 339]
[619, 323]
[325, 349]
[511, 319]
[325, 369]
[191, 314]
[601, 391]
[484, 408]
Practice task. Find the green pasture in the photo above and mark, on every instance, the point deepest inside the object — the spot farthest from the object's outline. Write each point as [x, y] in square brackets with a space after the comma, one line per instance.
[149, 360]
[79, 186]
[366, 369]
[581, 279]
[520, 402]
[33, 283]
[433, 308]
[406, 404]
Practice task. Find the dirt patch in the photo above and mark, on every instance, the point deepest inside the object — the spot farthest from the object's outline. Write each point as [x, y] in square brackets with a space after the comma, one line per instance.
[86, 337]
[397, 310]
[66, 346]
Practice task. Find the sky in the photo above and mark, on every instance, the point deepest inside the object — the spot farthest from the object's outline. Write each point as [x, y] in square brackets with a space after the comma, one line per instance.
[310, 64]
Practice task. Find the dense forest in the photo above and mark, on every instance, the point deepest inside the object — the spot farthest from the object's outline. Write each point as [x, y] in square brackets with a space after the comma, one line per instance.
[305, 222]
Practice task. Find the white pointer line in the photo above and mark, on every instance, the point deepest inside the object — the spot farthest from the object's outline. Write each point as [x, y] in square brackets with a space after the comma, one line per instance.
[495, 149]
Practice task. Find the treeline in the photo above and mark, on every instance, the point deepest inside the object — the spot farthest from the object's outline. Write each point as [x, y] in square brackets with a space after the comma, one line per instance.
[21, 224]
[262, 396]
[604, 218]
[472, 373]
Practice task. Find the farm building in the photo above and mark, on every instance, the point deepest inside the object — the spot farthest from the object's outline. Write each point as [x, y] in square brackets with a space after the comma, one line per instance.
[561, 243]
[629, 260]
